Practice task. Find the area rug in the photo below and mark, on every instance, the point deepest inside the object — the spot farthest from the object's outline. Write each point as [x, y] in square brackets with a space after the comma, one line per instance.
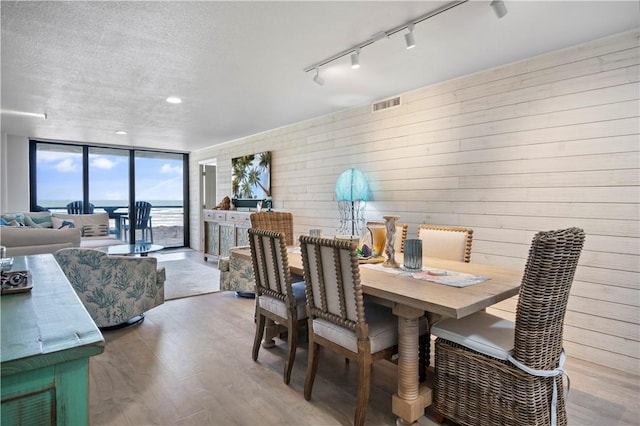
[186, 278]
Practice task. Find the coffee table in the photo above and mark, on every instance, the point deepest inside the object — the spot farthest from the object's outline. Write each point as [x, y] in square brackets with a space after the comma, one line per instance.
[143, 249]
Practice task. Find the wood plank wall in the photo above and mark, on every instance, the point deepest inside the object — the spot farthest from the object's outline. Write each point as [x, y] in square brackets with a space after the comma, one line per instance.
[546, 143]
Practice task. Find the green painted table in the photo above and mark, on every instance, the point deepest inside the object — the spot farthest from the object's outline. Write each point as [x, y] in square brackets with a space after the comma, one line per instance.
[47, 339]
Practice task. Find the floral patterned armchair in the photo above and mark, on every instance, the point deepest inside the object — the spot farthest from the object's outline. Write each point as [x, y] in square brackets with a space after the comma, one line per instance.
[237, 274]
[113, 289]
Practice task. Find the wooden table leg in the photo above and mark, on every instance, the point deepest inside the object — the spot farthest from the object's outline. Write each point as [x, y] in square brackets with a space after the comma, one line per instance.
[409, 403]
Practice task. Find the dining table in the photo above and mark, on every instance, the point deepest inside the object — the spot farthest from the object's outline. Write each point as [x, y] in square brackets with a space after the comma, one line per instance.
[411, 296]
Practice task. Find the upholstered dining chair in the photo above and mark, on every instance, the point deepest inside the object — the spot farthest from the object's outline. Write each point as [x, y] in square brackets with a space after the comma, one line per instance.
[277, 298]
[401, 234]
[446, 242]
[274, 221]
[492, 371]
[339, 319]
[77, 207]
[443, 242]
[142, 220]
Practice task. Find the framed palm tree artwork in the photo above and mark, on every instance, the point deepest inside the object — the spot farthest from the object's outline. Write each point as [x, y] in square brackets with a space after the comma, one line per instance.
[251, 179]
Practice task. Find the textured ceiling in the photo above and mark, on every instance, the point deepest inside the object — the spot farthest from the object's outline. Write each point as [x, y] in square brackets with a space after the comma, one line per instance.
[98, 67]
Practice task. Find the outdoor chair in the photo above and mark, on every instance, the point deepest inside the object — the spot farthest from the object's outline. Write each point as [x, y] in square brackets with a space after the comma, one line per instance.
[277, 298]
[77, 207]
[142, 221]
[492, 371]
[339, 317]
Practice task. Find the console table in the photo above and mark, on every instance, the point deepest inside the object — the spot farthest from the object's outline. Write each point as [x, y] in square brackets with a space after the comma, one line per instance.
[47, 339]
[224, 229]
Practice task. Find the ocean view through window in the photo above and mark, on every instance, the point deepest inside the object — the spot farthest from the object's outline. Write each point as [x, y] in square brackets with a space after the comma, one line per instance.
[100, 177]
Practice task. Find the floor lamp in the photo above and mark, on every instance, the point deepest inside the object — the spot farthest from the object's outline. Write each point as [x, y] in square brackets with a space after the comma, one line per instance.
[352, 192]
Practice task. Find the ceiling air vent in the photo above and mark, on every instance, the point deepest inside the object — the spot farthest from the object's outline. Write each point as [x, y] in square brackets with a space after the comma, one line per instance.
[386, 104]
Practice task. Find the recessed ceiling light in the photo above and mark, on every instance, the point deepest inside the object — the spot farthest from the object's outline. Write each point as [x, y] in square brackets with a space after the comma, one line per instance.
[121, 132]
[174, 100]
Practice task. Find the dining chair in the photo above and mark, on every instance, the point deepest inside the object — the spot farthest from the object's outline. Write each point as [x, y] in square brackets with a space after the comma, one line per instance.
[142, 220]
[277, 298]
[401, 234]
[443, 242]
[274, 221]
[446, 242]
[339, 318]
[489, 370]
[77, 207]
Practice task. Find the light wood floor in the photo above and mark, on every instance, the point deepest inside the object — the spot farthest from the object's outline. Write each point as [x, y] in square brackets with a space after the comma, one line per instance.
[189, 363]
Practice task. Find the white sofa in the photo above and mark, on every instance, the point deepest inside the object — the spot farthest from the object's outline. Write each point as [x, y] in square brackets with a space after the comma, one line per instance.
[37, 232]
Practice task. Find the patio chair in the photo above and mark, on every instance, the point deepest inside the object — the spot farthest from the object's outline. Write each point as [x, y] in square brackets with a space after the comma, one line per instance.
[492, 371]
[142, 221]
[277, 298]
[77, 207]
[339, 317]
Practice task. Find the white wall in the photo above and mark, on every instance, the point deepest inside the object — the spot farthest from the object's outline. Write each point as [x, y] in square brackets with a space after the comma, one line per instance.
[14, 174]
[542, 144]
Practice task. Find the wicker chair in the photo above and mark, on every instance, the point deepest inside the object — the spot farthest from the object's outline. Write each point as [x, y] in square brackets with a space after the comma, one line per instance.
[277, 298]
[336, 312]
[491, 371]
[446, 242]
[274, 221]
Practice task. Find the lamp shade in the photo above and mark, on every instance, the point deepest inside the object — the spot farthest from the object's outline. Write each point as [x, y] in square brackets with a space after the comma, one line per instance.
[352, 186]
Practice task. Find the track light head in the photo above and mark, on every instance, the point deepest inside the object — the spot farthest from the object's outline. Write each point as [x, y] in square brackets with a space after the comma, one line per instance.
[499, 8]
[408, 37]
[319, 80]
[355, 59]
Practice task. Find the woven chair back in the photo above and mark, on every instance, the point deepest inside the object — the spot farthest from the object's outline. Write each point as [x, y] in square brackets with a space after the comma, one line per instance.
[274, 221]
[271, 265]
[332, 277]
[542, 303]
[446, 242]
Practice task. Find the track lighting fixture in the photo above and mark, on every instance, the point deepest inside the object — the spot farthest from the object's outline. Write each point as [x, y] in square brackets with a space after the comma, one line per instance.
[355, 59]
[354, 51]
[44, 116]
[319, 80]
[499, 8]
[408, 37]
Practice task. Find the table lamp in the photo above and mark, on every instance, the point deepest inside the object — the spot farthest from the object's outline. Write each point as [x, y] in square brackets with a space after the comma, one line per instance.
[352, 192]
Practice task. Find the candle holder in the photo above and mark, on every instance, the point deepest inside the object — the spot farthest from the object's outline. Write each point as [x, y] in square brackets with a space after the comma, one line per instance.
[413, 254]
[389, 249]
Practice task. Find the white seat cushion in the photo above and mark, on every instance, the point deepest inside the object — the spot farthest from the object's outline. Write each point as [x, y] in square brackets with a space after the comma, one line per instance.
[481, 332]
[383, 330]
[279, 308]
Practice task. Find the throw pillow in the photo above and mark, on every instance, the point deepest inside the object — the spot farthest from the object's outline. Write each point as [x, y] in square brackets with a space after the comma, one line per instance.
[32, 223]
[100, 230]
[42, 219]
[18, 217]
[3, 222]
[62, 223]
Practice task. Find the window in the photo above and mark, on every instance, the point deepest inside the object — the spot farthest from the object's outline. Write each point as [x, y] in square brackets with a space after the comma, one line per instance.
[101, 177]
